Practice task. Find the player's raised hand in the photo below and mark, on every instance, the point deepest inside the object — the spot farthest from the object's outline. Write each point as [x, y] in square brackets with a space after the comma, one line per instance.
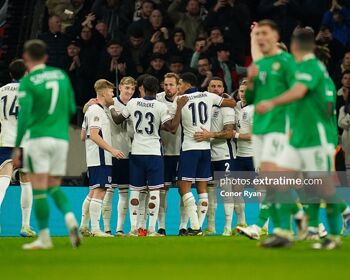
[118, 154]
[263, 107]
[181, 101]
[16, 158]
[252, 71]
[203, 135]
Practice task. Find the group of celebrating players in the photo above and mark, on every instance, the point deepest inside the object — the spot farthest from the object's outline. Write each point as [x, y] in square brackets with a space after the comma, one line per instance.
[180, 136]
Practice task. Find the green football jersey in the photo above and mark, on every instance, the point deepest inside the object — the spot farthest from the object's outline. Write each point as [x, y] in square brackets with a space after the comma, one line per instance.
[46, 102]
[332, 125]
[276, 75]
[309, 116]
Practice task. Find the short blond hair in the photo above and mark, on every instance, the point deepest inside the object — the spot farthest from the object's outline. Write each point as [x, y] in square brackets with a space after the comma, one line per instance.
[128, 81]
[103, 84]
[172, 75]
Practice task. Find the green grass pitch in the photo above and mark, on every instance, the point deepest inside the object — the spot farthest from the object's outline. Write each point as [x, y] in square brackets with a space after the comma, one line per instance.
[170, 258]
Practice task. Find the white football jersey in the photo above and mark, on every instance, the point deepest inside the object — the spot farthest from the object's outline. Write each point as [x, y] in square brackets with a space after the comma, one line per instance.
[120, 135]
[222, 149]
[171, 142]
[244, 124]
[8, 114]
[147, 115]
[96, 117]
[196, 114]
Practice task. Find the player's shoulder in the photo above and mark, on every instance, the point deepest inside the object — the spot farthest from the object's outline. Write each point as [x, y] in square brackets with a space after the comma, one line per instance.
[95, 109]
[160, 96]
[9, 87]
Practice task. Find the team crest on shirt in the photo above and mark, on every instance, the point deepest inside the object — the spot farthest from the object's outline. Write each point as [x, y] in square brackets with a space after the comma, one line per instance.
[245, 115]
[276, 66]
[96, 119]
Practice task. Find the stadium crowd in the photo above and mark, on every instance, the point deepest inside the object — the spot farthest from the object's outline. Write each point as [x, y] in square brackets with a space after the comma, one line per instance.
[112, 39]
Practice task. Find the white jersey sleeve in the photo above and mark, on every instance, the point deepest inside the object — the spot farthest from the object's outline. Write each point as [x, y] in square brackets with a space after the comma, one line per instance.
[96, 117]
[8, 114]
[171, 142]
[244, 124]
[222, 149]
[120, 136]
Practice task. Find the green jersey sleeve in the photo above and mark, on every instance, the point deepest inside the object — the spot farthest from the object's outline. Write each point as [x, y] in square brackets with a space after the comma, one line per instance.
[308, 76]
[249, 96]
[25, 103]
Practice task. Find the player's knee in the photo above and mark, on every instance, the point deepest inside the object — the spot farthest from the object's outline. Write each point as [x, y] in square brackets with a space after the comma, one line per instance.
[134, 202]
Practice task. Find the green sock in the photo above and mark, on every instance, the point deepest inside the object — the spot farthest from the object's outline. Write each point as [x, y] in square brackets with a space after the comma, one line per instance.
[274, 215]
[284, 209]
[60, 199]
[41, 208]
[295, 208]
[334, 218]
[264, 214]
[312, 212]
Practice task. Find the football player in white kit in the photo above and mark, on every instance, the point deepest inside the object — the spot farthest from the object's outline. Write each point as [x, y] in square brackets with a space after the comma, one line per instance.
[195, 158]
[96, 131]
[146, 162]
[171, 147]
[222, 152]
[120, 174]
[8, 120]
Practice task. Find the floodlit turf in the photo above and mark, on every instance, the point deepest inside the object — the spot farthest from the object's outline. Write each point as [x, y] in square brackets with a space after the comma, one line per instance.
[170, 258]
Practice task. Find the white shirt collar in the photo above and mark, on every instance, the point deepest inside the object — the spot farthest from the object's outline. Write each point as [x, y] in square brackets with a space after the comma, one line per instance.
[308, 56]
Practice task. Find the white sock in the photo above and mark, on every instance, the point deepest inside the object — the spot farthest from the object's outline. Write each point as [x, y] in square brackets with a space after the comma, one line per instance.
[107, 209]
[183, 216]
[211, 208]
[202, 207]
[95, 214]
[134, 209]
[228, 209]
[153, 209]
[26, 203]
[191, 209]
[266, 225]
[4, 184]
[122, 207]
[85, 213]
[346, 211]
[71, 221]
[240, 212]
[162, 208]
[142, 214]
[145, 215]
[44, 236]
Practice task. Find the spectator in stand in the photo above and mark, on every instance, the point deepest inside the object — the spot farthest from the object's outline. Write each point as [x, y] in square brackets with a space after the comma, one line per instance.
[117, 14]
[114, 64]
[215, 37]
[338, 20]
[56, 42]
[286, 13]
[144, 10]
[177, 46]
[190, 21]
[176, 65]
[344, 123]
[337, 50]
[341, 68]
[223, 68]
[343, 91]
[200, 47]
[135, 46]
[157, 67]
[204, 72]
[233, 18]
[102, 28]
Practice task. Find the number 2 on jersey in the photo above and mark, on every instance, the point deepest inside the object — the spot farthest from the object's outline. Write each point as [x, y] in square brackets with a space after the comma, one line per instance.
[53, 85]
